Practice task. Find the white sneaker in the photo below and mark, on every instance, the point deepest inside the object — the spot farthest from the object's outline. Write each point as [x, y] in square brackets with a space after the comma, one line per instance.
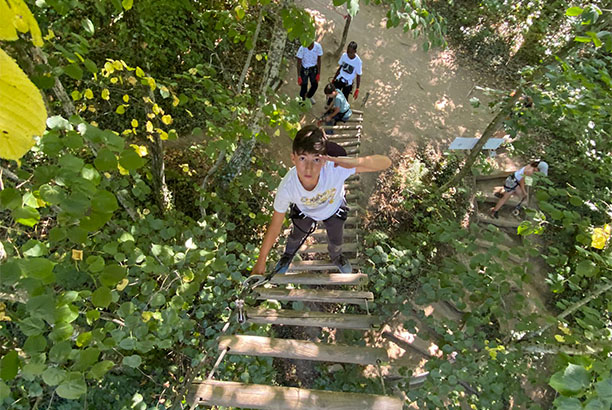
[312, 101]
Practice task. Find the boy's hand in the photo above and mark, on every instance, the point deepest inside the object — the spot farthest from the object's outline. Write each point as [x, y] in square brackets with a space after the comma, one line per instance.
[318, 77]
[299, 80]
[356, 94]
[259, 268]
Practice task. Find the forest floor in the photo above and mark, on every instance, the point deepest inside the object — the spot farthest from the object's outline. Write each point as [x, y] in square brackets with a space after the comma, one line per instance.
[414, 98]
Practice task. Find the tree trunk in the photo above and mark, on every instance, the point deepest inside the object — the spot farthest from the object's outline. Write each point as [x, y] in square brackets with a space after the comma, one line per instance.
[347, 24]
[242, 155]
[504, 112]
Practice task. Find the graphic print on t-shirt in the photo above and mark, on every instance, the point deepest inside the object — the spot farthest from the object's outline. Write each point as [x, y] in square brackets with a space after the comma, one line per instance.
[347, 68]
[319, 199]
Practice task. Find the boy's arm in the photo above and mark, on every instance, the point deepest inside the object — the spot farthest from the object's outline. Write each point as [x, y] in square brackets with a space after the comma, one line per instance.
[299, 66]
[332, 114]
[269, 240]
[371, 163]
[522, 184]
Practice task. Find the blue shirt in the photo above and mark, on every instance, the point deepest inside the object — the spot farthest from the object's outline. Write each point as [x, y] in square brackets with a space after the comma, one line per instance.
[340, 102]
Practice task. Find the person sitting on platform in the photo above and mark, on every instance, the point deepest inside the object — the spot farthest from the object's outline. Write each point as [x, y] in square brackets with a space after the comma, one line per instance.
[339, 109]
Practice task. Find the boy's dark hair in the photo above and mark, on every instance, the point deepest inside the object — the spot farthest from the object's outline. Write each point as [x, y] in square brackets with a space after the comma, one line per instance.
[329, 88]
[535, 164]
[310, 140]
[352, 45]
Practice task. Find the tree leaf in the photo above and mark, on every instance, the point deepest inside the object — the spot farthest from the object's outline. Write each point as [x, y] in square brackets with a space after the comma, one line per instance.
[74, 71]
[105, 160]
[571, 380]
[99, 369]
[104, 202]
[112, 275]
[573, 11]
[72, 387]
[604, 389]
[54, 376]
[101, 297]
[132, 361]
[22, 110]
[127, 4]
[130, 160]
[38, 268]
[88, 26]
[9, 366]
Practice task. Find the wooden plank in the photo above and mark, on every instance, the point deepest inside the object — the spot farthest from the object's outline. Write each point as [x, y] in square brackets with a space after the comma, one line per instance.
[352, 151]
[502, 223]
[493, 176]
[359, 112]
[315, 295]
[288, 317]
[318, 265]
[354, 119]
[345, 136]
[337, 279]
[342, 127]
[263, 346]
[258, 396]
[352, 143]
[321, 233]
[322, 247]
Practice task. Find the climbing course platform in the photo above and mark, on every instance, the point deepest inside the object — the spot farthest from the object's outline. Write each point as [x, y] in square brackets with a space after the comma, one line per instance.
[313, 280]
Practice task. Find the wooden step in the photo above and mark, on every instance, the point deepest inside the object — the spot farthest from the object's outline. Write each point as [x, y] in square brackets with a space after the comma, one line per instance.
[322, 247]
[345, 137]
[336, 279]
[342, 127]
[318, 265]
[354, 119]
[349, 143]
[258, 396]
[247, 345]
[358, 112]
[288, 317]
[499, 175]
[352, 151]
[321, 233]
[316, 295]
[501, 222]
[512, 201]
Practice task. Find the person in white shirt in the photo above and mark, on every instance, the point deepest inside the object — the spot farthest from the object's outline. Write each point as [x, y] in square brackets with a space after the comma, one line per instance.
[314, 191]
[309, 68]
[515, 184]
[349, 71]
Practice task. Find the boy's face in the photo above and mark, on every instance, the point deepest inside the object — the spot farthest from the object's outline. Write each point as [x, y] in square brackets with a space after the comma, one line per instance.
[351, 52]
[308, 167]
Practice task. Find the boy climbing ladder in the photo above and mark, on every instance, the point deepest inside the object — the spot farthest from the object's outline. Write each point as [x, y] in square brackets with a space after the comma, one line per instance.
[314, 191]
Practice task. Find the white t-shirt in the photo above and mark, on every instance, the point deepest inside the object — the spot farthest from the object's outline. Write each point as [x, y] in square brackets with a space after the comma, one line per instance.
[309, 57]
[320, 203]
[349, 69]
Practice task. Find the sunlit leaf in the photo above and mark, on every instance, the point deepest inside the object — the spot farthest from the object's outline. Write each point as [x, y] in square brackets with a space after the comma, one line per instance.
[22, 110]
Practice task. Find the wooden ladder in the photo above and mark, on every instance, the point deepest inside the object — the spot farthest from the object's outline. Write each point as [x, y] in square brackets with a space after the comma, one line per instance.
[291, 288]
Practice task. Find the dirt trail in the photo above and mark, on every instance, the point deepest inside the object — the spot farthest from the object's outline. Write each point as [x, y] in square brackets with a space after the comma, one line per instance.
[416, 97]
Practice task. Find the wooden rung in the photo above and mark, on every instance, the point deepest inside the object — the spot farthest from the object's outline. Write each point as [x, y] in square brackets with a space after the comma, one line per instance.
[321, 278]
[301, 349]
[354, 119]
[317, 265]
[322, 247]
[258, 396]
[493, 176]
[353, 143]
[342, 127]
[316, 319]
[316, 295]
[493, 200]
[501, 222]
[345, 136]
[359, 112]
[352, 151]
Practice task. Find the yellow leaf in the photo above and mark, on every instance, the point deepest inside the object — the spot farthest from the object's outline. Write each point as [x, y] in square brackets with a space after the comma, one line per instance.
[120, 109]
[118, 66]
[167, 119]
[150, 115]
[105, 94]
[149, 126]
[189, 112]
[175, 101]
[7, 29]
[126, 98]
[600, 237]
[559, 338]
[109, 68]
[23, 20]
[132, 81]
[134, 123]
[163, 135]
[91, 108]
[122, 170]
[141, 150]
[151, 82]
[89, 94]
[50, 35]
[146, 316]
[139, 72]
[76, 95]
[22, 110]
[156, 109]
[121, 285]
[258, 57]
[77, 255]
[114, 80]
